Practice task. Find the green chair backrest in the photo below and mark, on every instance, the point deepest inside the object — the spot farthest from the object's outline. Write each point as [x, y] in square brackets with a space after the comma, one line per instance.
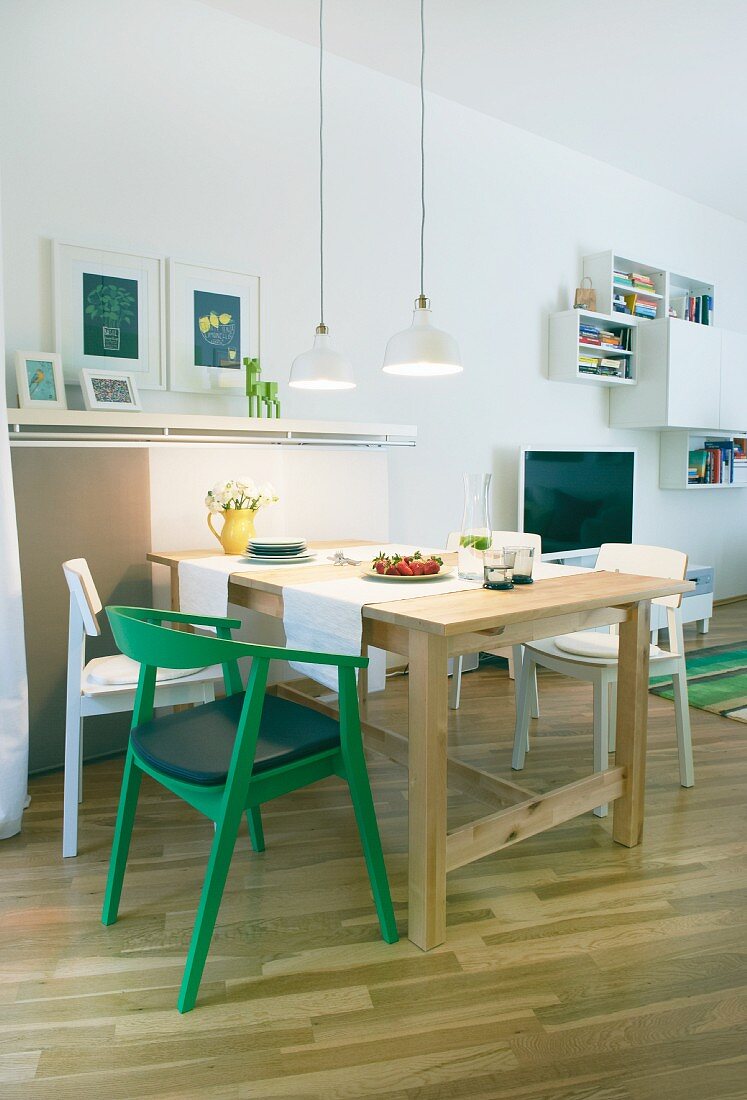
[139, 634]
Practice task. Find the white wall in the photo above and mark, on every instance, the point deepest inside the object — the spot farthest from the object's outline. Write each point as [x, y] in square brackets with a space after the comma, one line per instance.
[178, 129]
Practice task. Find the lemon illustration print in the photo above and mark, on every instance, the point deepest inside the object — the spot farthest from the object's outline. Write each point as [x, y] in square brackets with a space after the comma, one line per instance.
[225, 318]
[214, 319]
[204, 324]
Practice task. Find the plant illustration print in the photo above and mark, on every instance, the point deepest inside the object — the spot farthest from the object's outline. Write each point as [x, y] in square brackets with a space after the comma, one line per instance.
[110, 316]
[112, 304]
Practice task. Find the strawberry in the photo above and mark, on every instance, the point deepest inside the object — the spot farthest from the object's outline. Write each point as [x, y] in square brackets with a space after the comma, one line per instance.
[380, 565]
[417, 568]
[431, 567]
[391, 571]
[404, 569]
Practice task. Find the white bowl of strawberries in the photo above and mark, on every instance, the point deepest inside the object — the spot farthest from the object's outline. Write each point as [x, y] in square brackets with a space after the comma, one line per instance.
[410, 567]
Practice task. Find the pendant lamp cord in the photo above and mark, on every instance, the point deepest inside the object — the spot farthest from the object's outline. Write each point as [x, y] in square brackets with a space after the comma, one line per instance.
[321, 162]
[422, 144]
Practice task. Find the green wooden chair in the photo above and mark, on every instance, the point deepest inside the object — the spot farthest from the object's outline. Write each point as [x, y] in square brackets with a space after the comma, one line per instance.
[228, 757]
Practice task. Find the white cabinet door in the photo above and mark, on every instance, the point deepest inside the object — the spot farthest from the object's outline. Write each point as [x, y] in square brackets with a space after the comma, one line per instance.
[733, 381]
[694, 375]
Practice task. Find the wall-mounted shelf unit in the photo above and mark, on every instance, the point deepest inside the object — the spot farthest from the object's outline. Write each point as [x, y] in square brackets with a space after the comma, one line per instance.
[68, 427]
[674, 461]
[614, 278]
[689, 376]
[592, 348]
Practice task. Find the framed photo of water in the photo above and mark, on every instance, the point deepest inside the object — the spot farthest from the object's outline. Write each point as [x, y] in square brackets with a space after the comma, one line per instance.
[213, 325]
[109, 309]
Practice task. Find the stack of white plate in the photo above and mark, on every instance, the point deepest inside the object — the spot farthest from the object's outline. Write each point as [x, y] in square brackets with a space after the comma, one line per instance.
[278, 551]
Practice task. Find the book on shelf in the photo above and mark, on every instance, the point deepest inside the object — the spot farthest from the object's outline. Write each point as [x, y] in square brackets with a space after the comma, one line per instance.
[711, 464]
[603, 367]
[697, 308]
[612, 339]
[636, 304]
[633, 279]
[740, 474]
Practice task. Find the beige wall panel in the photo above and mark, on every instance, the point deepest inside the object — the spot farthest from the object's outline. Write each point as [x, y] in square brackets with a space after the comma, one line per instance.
[90, 502]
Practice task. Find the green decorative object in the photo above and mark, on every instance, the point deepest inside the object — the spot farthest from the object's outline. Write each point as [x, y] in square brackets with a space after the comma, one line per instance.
[263, 396]
[256, 760]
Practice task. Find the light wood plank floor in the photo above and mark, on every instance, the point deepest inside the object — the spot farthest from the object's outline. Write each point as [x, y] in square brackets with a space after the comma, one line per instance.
[574, 968]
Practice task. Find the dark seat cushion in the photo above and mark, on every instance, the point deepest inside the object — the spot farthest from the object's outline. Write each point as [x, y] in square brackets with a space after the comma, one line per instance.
[196, 744]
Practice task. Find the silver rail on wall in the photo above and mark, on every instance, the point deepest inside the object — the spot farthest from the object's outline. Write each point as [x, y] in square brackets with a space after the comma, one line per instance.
[70, 429]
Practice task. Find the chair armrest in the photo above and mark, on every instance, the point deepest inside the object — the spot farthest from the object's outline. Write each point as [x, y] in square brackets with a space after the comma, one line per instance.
[158, 616]
[138, 633]
[303, 656]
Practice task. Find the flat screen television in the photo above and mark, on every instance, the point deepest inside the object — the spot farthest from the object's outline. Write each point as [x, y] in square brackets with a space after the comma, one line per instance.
[576, 500]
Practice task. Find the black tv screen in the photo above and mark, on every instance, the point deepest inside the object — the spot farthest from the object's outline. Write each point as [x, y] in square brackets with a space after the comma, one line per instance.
[576, 500]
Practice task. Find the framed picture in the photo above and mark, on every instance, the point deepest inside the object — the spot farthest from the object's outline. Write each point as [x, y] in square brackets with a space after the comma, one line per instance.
[40, 381]
[109, 391]
[213, 325]
[109, 309]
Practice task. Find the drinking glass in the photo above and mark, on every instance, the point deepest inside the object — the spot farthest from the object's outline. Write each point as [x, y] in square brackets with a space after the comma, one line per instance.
[523, 564]
[499, 567]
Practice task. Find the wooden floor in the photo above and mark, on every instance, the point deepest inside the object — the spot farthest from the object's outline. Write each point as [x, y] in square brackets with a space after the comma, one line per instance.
[574, 968]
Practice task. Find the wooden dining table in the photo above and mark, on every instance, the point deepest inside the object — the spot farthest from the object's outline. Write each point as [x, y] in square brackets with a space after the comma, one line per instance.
[427, 630]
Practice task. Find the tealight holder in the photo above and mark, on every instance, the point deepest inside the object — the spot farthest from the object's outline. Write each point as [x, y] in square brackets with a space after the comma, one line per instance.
[498, 568]
[523, 564]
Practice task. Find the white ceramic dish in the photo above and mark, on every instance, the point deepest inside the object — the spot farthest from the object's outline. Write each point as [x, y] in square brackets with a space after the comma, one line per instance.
[281, 559]
[446, 571]
[277, 552]
[278, 544]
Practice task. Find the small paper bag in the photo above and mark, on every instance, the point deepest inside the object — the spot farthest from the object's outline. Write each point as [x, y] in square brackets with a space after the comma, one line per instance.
[586, 296]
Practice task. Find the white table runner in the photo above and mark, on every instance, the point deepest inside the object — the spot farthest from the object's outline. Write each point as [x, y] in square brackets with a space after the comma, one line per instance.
[322, 616]
[326, 616]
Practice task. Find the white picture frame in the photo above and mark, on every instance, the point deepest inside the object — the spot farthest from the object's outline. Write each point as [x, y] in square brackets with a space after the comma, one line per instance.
[109, 312]
[109, 391]
[196, 293]
[40, 380]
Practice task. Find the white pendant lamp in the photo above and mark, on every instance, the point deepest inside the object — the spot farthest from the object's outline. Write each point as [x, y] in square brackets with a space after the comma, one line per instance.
[321, 367]
[422, 350]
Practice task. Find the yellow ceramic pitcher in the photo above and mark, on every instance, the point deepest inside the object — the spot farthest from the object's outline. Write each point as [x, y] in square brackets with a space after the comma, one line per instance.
[238, 528]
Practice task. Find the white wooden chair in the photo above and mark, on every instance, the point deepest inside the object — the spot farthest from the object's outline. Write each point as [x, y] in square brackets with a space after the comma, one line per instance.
[106, 685]
[514, 653]
[592, 656]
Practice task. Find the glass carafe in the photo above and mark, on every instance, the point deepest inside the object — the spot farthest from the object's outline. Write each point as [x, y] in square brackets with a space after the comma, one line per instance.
[475, 537]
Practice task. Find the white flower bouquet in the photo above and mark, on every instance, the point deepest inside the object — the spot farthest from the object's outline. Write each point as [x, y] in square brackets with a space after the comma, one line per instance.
[240, 493]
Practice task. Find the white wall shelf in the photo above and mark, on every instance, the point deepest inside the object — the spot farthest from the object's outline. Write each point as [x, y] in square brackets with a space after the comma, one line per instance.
[68, 426]
[674, 460]
[566, 346]
[71, 427]
[669, 289]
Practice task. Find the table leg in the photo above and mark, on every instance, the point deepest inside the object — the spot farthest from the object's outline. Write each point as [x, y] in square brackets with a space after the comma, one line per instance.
[174, 571]
[632, 721]
[428, 705]
[174, 579]
[363, 685]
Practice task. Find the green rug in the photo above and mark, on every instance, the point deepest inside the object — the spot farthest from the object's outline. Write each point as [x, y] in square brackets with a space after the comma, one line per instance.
[716, 681]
